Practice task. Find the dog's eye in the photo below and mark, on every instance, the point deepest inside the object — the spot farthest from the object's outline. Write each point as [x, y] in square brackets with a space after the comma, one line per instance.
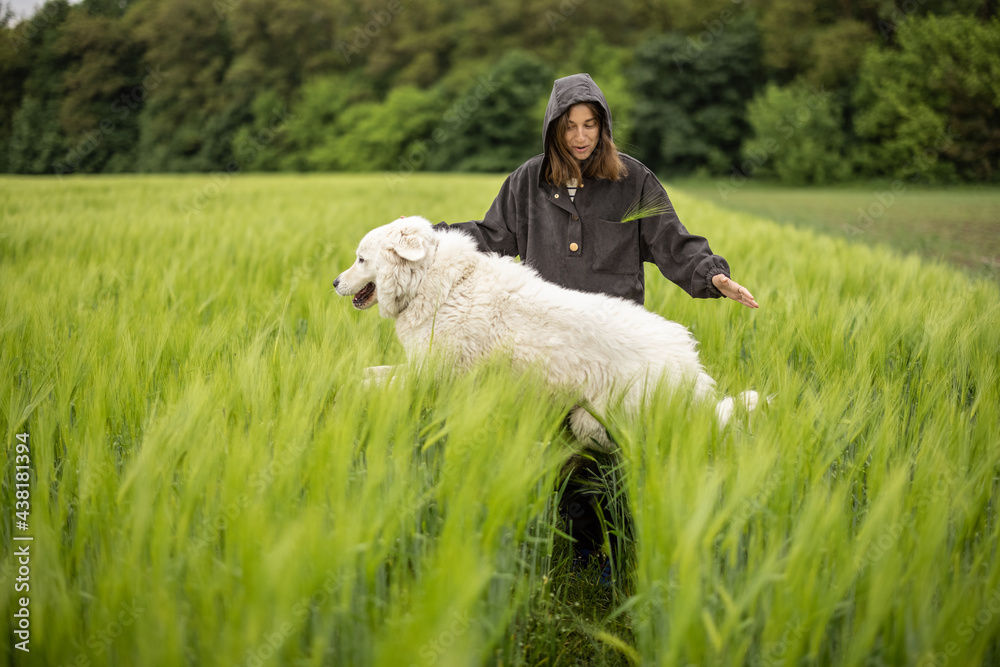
[361, 260]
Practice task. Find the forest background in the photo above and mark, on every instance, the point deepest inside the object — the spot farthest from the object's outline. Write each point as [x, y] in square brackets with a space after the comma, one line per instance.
[802, 91]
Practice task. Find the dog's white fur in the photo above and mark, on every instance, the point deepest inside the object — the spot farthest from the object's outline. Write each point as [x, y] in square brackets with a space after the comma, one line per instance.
[440, 290]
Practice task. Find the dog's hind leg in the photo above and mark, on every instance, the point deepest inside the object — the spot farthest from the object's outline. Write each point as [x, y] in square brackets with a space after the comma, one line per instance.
[588, 430]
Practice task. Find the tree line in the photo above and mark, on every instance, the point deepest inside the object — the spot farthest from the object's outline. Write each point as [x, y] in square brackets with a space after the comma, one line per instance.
[799, 90]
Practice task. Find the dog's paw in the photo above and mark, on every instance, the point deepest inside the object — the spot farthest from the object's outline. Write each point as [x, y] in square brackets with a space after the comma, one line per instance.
[724, 410]
[750, 399]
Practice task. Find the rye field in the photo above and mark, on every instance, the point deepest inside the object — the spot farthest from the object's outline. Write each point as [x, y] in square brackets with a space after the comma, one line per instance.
[194, 474]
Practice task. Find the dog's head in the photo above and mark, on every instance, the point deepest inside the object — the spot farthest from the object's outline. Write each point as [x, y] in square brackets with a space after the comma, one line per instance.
[391, 261]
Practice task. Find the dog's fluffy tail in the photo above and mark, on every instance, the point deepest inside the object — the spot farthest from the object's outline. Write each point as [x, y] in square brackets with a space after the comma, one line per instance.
[724, 409]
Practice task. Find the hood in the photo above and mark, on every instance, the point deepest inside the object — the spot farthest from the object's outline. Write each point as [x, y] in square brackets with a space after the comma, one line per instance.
[566, 92]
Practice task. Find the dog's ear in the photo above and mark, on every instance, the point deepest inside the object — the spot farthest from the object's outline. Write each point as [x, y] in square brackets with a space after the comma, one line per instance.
[410, 245]
[410, 238]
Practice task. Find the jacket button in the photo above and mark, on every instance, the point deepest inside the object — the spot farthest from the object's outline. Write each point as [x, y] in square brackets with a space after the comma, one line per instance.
[557, 195]
[573, 247]
[575, 218]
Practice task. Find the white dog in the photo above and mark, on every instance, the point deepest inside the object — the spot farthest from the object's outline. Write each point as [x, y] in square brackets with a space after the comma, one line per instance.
[441, 290]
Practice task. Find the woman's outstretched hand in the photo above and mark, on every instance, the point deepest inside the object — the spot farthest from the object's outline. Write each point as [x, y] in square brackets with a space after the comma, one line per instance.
[733, 290]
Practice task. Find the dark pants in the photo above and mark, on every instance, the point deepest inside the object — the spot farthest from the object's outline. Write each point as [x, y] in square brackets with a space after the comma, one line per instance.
[589, 488]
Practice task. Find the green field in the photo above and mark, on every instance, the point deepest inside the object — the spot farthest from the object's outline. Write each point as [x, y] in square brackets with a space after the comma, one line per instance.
[210, 484]
[959, 225]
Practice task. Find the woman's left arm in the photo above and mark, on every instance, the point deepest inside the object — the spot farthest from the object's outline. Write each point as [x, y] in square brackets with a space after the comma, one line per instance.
[733, 290]
[684, 258]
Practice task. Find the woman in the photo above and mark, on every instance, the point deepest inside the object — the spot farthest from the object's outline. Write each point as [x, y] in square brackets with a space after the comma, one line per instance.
[587, 217]
[569, 212]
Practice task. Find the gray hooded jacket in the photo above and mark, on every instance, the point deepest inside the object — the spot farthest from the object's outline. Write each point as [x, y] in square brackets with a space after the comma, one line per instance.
[583, 244]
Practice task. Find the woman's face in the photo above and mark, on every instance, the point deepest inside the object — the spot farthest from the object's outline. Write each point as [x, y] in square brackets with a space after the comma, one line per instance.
[582, 131]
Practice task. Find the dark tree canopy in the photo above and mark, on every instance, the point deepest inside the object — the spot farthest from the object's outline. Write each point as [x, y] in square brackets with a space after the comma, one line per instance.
[241, 85]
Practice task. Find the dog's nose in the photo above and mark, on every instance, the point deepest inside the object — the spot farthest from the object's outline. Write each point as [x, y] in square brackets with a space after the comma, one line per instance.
[336, 282]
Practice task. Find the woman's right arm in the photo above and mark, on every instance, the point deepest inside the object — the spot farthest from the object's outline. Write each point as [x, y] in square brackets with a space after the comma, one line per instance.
[495, 232]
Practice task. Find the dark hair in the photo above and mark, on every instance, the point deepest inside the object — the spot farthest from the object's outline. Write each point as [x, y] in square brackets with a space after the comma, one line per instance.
[605, 162]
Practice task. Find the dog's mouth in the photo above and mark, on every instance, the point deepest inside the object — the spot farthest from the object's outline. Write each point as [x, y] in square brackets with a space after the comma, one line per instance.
[365, 297]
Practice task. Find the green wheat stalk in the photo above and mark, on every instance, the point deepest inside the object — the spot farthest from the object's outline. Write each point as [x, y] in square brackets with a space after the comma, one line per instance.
[646, 206]
[204, 424]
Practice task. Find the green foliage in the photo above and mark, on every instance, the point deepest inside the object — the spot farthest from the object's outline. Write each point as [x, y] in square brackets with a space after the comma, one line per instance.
[336, 128]
[104, 92]
[35, 142]
[211, 483]
[191, 117]
[36, 138]
[788, 29]
[313, 132]
[380, 136]
[928, 109]
[797, 137]
[495, 126]
[835, 54]
[888, 15]
[691, 93]
[14, 69]
[678, 76]
[262, 144]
